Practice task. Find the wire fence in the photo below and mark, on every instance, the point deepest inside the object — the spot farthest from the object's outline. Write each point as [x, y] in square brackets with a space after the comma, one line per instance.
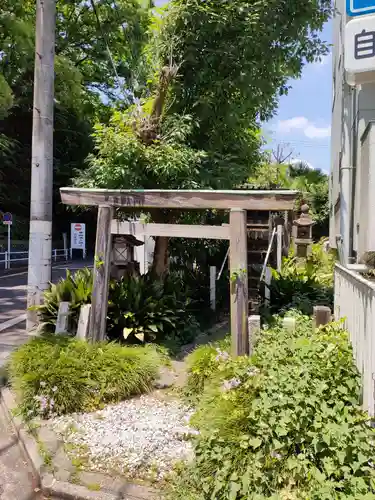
[20, 258]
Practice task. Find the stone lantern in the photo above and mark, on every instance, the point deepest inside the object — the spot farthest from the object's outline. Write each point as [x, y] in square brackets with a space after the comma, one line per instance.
[123, 256]
[302, 233]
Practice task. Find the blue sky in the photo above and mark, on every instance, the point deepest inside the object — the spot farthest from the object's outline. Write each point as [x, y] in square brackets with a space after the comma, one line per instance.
[303, 120]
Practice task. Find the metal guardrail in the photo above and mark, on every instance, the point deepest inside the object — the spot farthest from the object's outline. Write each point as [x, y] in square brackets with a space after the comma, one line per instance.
[9, 258]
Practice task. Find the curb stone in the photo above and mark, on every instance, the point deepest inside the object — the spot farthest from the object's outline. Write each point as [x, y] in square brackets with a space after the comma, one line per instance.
[48, 483]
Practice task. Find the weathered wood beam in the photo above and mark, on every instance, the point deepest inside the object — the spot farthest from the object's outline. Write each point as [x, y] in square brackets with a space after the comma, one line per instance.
[183, 199]
[239, 303]
[170, 230]
[102, 260]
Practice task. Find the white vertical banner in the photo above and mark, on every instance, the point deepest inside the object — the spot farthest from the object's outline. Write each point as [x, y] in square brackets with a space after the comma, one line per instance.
[78, 237]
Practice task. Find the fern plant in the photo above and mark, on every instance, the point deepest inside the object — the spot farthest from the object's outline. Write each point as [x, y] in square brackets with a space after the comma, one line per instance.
[303, 283]
[142, 309]
[74, 288]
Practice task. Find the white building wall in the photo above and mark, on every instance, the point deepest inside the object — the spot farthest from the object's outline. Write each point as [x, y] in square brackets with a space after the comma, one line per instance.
[352, 111]
[366, 94]
[337, 111]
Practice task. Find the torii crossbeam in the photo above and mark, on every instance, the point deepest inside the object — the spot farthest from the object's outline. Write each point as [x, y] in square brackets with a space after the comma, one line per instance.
[237, 202]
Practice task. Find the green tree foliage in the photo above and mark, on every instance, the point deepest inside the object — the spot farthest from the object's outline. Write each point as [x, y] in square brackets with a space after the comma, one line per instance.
[86, 77]
[82, 61]
[197, 125]
[233, 62]
[209, 86]
[311, 183]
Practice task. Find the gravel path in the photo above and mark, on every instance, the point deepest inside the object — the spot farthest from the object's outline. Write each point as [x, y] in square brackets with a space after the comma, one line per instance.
[141, 437]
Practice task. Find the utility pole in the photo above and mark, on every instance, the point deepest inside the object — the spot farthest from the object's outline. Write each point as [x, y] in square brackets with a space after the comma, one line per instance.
[40, 242]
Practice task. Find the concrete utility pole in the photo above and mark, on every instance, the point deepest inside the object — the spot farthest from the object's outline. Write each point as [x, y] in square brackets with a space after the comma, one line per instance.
[40, 243]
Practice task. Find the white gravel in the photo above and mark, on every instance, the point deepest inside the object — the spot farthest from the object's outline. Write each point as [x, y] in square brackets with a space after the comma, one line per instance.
[142, 437]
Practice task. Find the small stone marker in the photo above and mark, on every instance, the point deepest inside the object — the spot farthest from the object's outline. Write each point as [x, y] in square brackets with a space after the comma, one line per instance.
[254, 330]
[83, 322]
[62, 318]
[289, 324]
[321, 316]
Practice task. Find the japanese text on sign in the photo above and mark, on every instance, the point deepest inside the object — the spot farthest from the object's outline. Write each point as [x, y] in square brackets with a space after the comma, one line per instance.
[359, 52]
[78, 236]
[364, 44]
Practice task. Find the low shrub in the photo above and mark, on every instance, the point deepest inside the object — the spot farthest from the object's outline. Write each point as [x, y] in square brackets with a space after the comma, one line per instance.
[284, 424]
[202, 363]
[74, 288]
[54, 375]
[141, 309]
[303, 283]
[144, 309]
[196, 285]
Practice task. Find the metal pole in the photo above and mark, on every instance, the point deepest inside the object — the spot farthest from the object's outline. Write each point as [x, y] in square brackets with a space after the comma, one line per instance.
[267, 283]
[267, 254]
[9, 248]
[213, 287]
[222, 265]
[40, 245]
[65, 242]
[279, 247]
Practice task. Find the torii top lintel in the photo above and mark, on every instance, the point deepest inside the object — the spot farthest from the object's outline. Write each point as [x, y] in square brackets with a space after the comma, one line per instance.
[182, 199]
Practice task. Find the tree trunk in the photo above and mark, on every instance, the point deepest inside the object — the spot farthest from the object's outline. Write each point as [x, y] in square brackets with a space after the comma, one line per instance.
[160, 260]
[148, 133]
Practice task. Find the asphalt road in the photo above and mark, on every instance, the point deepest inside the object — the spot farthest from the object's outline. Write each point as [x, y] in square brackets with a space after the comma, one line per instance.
[13, 288]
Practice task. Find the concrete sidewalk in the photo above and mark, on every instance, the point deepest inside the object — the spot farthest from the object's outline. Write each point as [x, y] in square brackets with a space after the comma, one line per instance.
[17, 481]
[10, 339]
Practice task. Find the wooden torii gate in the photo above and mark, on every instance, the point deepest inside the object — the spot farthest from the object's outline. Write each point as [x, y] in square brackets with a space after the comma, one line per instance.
[236, 201]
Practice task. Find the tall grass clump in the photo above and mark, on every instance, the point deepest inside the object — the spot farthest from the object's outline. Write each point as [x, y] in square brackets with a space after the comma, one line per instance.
[56, 375]
[202, 363]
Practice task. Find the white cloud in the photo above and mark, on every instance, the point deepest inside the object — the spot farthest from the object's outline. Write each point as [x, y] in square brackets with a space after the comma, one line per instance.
[314, 132]
[303, 124]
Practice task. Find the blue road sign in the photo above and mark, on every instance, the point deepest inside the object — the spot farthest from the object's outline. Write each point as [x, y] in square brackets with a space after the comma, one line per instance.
[360, 7]
[7, 218]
